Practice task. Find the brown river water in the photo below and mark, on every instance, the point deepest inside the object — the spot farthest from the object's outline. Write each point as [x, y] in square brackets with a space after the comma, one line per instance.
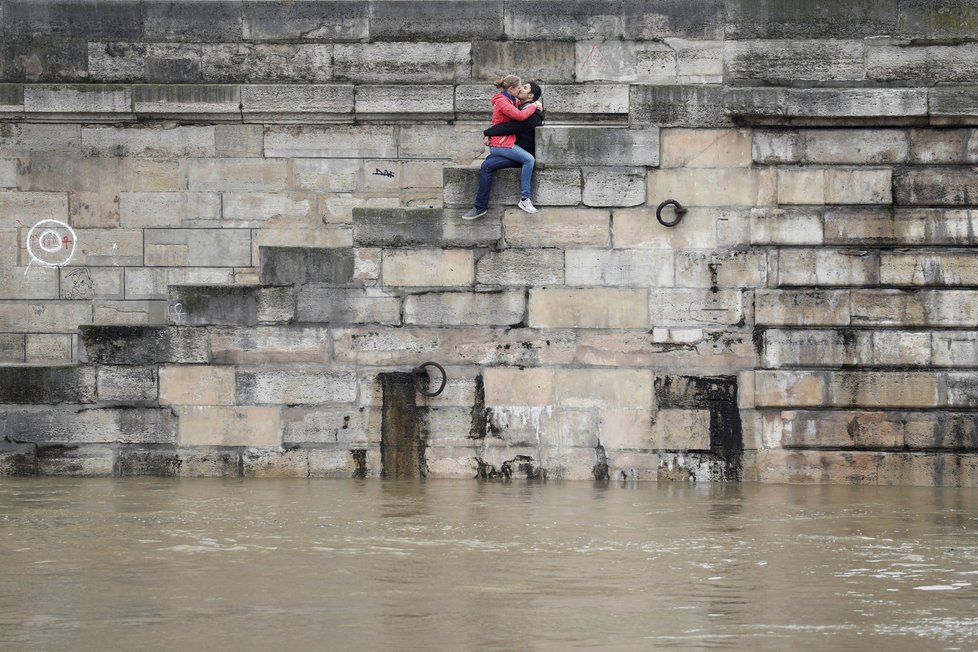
[164, 564]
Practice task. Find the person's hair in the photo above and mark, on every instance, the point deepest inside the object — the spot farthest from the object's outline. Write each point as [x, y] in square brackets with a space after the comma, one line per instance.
[507, 82]
[536, 90]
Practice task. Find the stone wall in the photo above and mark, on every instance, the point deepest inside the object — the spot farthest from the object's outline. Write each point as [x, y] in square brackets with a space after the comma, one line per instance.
[232, 230]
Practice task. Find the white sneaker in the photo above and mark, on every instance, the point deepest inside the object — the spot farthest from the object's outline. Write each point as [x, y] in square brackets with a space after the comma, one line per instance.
[527, 205]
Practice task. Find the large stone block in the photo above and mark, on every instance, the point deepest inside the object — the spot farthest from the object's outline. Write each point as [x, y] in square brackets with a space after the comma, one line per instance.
[898, 269]
[156, 209]
[606, 186]
[623, 61]
[197, 247]
[904, 227]
[942, 20]
[552, 61]
[44, 316]
[825, 106]
[834, 186]
[197, 385]
[76, 461]
[303, 425]
[318, 20]
[519, 387]
[379, 102]
[706, 148]
[937, 146]
[929, 470]
[627, 268]
[297, 102]
[564, 20]
[936, 186]
[553, 187]
[801, 307]
[953, 104]
[793, 226]
[148, 141]
[553, 227]
[269, 344]
[696, 308]
[701, 228]
[19, 208]
[410, 227]
[219, 305]
[588, 308]
[154, 282]
[260, 62]
[954, 348]
[815, 348]
[200, 425]
[17, 459]
[827, 267]
[943, 308]
[86, 424]
[348, 306]
[30, 283]
[712, 187]
[119, 61]
[427, 63]
[295, 387]
[831, 146]
[120, 19]
[160, 462]
[128, 384]
[521, 267]
[789, 388]
[13, 348]
[233, 141]
[901, 349]
[142, 345]
[720, 269]
[129, 312]
[819, 467]
[49, 348]
[47, 385]
[181, 21]
[772, 19]
[793, 60]
[441, 20]
[197, 100]
[99, 248]
[244, 174]
[302, 265]
[487, 308]
[874, 389]
[428, 267]
[587, 102]
[592, 146]
[359, 141]
[923, 65]
[677, 106]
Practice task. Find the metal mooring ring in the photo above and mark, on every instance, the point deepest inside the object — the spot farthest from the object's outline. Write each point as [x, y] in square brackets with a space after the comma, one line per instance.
[423, 371]
[680, 211]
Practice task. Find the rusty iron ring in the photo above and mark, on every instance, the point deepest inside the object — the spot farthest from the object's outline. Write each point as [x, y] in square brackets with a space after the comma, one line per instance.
[422, 370]
[680, 211]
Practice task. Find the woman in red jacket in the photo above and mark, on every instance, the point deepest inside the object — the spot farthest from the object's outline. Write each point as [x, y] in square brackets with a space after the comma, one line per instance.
[505, 107]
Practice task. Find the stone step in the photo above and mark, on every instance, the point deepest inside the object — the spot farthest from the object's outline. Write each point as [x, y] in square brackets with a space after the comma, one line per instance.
[397, 227]
[588, 146]
[242, 305]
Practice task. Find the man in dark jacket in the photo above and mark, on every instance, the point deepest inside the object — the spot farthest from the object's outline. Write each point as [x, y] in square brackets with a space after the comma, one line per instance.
[525, 138]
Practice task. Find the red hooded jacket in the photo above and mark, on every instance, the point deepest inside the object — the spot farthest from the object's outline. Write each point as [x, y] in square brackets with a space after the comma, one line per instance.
[503, 109]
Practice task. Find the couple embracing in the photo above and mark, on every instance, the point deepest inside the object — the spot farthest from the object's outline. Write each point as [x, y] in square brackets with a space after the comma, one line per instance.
[516, 112]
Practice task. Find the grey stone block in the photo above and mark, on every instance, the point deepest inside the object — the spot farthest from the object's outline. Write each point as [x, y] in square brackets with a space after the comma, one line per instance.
[953, 104]
[778, 19]
[295, 387]
[552, 61]
[924, 66]
[824, 106]
[13, 347]
[17, 459]
[11, 99]
[144, 62]
[148, 141]
[626, 61]
[92, 19]
[213, 305]
[628, 19]
[28, 139]
[436, 20]
[521, 267]
[553, 187]
[301, 265]
[44, 316]
[943, 186]
[358, 141]
[324, 426]
[83, 425]
[312, 20]
[160, 462]
[44, 58]
[197, 247]
[266, 62]
[47, 385]
[328, 102]
[789, 60]
[242, 140]
[377, 102]
[938, 19]
[128, 384]
[937, 146]
[208, 21]
[609, 186]
[678, 106]
[209, 462]
[78, 98]
[492, 308]
[831, 146]
[428, 63]
[397, 227]
[587, 102]
[594, 146]
[142, 345]
[198, 100]
[76, 461]
[347, 306]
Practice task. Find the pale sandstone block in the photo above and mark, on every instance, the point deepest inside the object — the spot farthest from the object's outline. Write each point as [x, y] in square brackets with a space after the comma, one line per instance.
[813, 467]
[150, 175]
[495, 308]
[519, 387]
[48, 348]
[708, 269]
[198, 247]
[93, 209]
[237, 174]
[91, 283]
[613, 186]
[709, 187]
[590, 308]
[625, 61]
[21, 139]
[32, 282]
[428, 267]
[27, 208]
[8, 174]
[773, 146]
[928, 269]
[858, 186]
[129, 312]
[521, 267]
[816, 348]
[298, 102]
[149, 141]
[557, 227]
[919, 308]
[949, 146]
[883, 389]
[196, 385]
[928, 470]
[587, 99]
[49, 316]
[263, 463]
[235, 141]
[154, 209]
[698, 61]
[955, 349]
[260, 209]
[228, 426]
[798, 186]
[786, 226]
[622, 268]
[801, 307]
[826, 267]
[295, 387]
[700, 228]
[695, 307]
[336, 141]
[705, 148]
[604, 388]
[901, 349]
[626, 428]
[383, 100]
[789, 388]
[854, 146]
[680, 430]
[270, 344]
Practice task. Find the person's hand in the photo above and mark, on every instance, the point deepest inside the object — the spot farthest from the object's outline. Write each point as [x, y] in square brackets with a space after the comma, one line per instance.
[539, 105]
[485, 141]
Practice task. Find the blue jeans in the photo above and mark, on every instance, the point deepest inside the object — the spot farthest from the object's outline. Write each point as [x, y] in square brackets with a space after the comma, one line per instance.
[518, 155]
[492, 163]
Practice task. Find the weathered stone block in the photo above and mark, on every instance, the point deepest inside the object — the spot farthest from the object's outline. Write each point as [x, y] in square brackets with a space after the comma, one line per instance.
[251, 62]
[588, 308]
[321, 20]
[901, 349]
[49, 316]
[918, 308]
[84, 461]
[937, 146]
[592, 146]
[148, 142]
[17, 459]
[834, 186]
[681, 307]
[221, 305]
[237, 174]
[734, 269]
[47, 385]
[928, 470]
[19, 208]
[295, 387]
[621, 61]
[276, 305]
[492, 308]
[954, 349]
[564, 20]
[142, 345]
[129, 312]
[406, 227]
[348, 306]
[303, 425]
[953, 104]
[677, 106]
[302, 265]
[937, 20]
[428, 267]
[29, 282]
[613, 186]
[928, 269]
[428, 63]
[197, 385]
[180, 21]
[521, 267]
[883, 389]
[789, 388]
[587, 102]
[80, 98]
[831, 146]
[944, 186]
[773, 19]
[796, 59]
[552, 61]
[49, 348]
[519, 387]
[120, 61]
[792, 226]
[553, 187]
[231, 141]
[209, 463]
[162, 462]
[269, 344]
[564, 227]
[637, 228]
[801, 307]
[618, 268]
[359, 141]
[197, 247]
[228, 426]
[156, 209]
[815, 348]
[680, 430]
[822, 106]
[198, 100]
[903, 227]
[85, 424]
[381, 101]
[812, 467]
[154, 282]
[924, 65]
[13, 348]
[288, 102]
[827, 267]
[265, 463]
[423, 20]
[711, 187]
[706, 148]
[127, 384]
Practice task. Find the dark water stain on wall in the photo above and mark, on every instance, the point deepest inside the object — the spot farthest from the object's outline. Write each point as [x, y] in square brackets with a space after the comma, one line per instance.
[403, 433]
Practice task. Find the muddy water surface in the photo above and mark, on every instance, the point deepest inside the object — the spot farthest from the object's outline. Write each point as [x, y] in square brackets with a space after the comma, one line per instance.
[160, 564]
